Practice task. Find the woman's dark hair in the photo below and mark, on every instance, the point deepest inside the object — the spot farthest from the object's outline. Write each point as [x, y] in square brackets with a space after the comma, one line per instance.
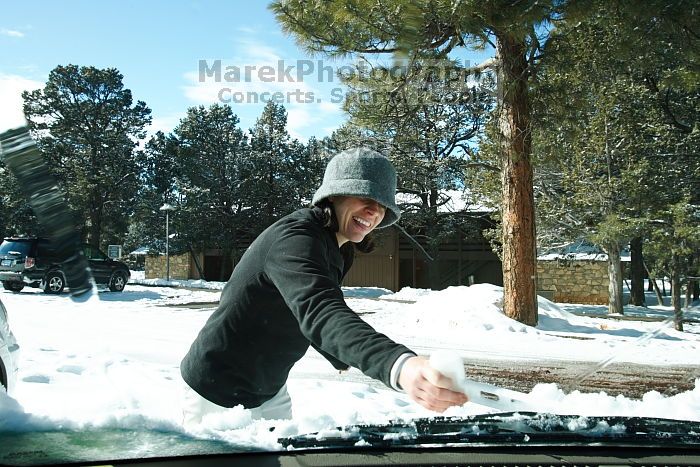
[327, 214]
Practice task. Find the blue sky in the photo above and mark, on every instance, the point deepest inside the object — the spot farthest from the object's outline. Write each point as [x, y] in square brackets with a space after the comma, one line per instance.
[158, 46]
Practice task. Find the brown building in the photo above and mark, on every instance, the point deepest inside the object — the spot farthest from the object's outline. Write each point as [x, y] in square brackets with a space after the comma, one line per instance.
[398, 261]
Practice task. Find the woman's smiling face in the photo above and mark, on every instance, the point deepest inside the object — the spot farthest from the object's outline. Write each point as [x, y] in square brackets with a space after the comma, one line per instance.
[356, 217]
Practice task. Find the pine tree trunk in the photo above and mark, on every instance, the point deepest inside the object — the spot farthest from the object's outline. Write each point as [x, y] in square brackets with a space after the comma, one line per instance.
[676, 292]
[615, 276]
[688, 293]
[657, 291]
[434, 270]
[654, 286]
[96, 204]
[518, 219]
[235, 256]
[659, 297]
[637, 272]
[694, 284]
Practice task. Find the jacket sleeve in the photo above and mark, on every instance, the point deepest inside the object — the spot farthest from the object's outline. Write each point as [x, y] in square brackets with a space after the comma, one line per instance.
[337, 364]
[298, 266]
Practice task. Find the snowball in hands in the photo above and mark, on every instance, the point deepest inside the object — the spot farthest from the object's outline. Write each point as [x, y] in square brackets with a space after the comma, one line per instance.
[503, 400]
[451, 365]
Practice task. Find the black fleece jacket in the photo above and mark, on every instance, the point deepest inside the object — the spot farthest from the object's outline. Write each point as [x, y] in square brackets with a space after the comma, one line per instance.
[283, 295]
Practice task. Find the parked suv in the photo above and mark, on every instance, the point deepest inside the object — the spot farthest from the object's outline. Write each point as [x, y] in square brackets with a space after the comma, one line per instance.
[30, 261]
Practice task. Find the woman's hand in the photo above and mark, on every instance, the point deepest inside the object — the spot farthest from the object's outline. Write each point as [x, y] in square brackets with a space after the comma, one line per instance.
[429, 387]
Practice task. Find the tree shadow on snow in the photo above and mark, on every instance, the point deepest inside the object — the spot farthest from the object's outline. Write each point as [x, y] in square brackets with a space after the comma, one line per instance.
[552, 324]
[128, 296]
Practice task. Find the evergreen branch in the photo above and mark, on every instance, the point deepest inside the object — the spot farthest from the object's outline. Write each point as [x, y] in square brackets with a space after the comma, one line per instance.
[320, 40]
[441, 202]
[488, 64]
[409, 191]
[483, 165]
[105, 195]
[665, 104]
[413, 241]
[454, 41]
[534, 46]
[687, 29]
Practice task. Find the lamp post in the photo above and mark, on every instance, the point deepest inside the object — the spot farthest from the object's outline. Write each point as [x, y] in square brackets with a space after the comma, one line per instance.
[167, 208]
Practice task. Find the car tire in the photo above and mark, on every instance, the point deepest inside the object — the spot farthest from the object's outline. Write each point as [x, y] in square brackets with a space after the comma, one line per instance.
[54, 282]
[13, 286]
[118, 282]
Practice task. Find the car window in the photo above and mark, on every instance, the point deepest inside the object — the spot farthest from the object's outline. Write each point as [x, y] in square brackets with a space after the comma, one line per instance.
[15, 247]
[93, 253]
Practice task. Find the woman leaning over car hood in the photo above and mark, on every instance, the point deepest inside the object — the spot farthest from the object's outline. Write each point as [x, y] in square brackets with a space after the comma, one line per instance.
[285, 295]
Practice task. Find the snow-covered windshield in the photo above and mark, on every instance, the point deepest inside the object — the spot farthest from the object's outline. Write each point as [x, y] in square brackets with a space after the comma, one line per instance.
[116, 366]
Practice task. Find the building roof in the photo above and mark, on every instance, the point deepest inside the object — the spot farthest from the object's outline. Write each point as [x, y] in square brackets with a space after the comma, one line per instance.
[580, 251]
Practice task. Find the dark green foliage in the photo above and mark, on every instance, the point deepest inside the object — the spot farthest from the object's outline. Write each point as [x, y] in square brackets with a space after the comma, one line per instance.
[212, 160]
[226, 185]
[341, 27]
[615, 112]
[16, 216]
[616, 125]
[87, 124]
[156, 187]
[283, 172]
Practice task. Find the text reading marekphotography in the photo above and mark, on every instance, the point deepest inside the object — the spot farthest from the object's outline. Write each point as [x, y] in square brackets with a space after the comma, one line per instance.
[286, 75]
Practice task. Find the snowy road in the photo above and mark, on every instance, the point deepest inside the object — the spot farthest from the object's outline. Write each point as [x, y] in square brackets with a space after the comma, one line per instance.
[513, 369]
[628, 379]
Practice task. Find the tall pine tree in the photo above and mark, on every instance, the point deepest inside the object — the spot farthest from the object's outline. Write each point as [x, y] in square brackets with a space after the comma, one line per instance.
[275, 177]
[212, 162]
[88, 125]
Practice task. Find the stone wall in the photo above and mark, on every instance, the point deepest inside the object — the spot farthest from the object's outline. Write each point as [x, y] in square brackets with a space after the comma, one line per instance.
[567, 281]
[179, 267]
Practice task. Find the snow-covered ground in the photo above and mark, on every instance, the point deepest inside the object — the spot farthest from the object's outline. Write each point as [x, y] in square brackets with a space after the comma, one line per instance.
[114, 363]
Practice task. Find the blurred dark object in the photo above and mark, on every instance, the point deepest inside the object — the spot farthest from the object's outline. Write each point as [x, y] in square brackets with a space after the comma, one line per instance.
[22, 156]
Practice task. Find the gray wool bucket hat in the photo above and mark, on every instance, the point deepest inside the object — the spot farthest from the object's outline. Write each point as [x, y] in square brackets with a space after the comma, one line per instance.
[363, 173]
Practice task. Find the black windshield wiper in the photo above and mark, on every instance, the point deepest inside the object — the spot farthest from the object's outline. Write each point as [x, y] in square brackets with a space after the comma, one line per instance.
[520, 428]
